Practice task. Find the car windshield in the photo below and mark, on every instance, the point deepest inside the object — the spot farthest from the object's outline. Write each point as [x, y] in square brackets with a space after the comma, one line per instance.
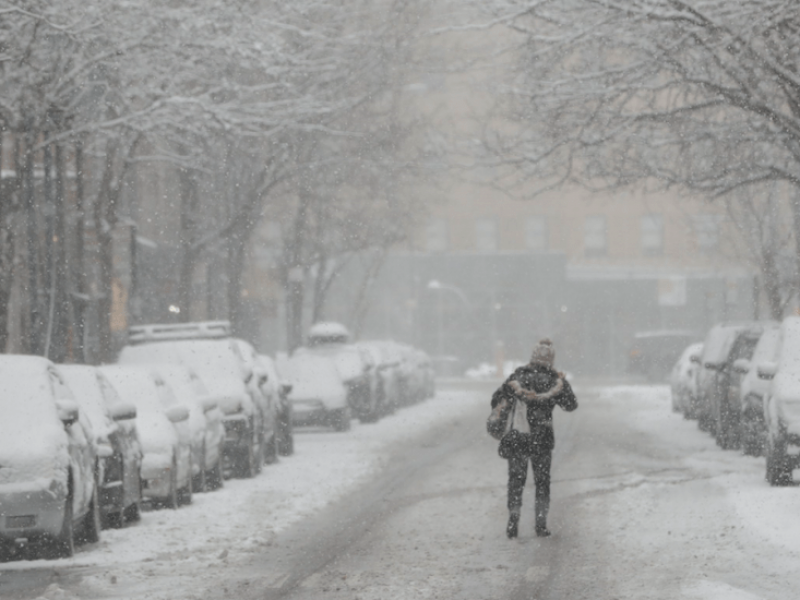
[214, 361]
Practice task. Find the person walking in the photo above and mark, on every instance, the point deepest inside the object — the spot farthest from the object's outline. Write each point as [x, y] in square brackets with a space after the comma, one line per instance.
[537, 388]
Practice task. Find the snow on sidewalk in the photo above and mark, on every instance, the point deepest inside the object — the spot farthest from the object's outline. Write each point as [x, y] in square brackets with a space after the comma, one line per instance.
[247, 514]
[768, 517]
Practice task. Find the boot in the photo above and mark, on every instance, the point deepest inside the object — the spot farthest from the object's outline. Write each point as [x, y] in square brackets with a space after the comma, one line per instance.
[513, 525]
[542, 531]
[541, 526]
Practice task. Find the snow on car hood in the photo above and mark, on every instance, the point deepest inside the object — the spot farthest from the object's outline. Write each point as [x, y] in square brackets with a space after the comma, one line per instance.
[33, 443]
[347, 359]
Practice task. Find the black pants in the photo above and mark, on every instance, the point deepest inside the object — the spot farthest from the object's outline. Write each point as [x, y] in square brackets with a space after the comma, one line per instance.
[518, 473]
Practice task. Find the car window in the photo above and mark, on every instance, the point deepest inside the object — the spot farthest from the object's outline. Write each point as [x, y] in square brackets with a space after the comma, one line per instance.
[110, 395]
[60, 389]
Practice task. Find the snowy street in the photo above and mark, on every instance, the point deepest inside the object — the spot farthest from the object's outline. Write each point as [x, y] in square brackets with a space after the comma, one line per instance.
[644, 506]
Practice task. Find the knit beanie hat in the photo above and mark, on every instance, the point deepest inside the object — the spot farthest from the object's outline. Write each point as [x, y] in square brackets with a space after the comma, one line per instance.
[544, 353]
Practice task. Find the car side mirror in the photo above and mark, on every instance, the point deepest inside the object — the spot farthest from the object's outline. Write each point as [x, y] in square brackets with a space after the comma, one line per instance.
[67, 411]
[694, 358]
[286, 388]
[122, 411]
[104, 450]
[767, 370]
[741, 366]
[208, 403]
[176, 414]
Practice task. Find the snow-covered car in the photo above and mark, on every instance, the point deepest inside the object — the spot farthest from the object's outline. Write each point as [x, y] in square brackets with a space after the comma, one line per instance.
[48, 461]
[724, 344]
[332, 340]
[682, 379]
[205, 424]
[266, 403]
[208, 349]
[751, 391]
[114, 427]
[782, 404]
[278, 390]
[163, 433]
[318, 396]
[389, 373]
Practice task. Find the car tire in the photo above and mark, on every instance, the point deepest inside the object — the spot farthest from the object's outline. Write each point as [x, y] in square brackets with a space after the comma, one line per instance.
[172, 501]
[340, 419]
[63, 545]
[726, 429]
[185, 493]
[271, 452]
[133, 513]
[91, 522]
[779, 471]
[286, 440]
[246, 463]
[199, 482]
[215, 478]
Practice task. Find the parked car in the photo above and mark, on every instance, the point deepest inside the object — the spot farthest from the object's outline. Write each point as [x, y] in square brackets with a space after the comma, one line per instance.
[279, 390]
[114, 426]
[163, 432]
[266, 403]
[205, 424]
[716, 406]
[653, 353]
[682, 379]
[782, 404]
[332, 340]
[48, 460]
[388, 370]
[318, 396]
[751, 391]
[208, 348]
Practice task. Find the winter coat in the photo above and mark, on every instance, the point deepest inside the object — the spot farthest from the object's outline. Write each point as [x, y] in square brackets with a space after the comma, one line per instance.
[539, 388]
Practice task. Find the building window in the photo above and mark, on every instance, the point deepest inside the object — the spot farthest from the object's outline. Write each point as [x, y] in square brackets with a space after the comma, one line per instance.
[485, 235]
[536, 234]
[436, 235]
[706, 231]
[595, 242]
[652, 235]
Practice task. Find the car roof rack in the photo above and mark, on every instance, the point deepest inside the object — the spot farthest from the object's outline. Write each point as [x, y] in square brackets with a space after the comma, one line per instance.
[160, 332]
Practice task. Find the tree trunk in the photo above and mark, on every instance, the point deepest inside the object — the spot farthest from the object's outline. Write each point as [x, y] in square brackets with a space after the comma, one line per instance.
[294, 276]
[188, 257]
[236, 245]
[79, 299]
[61, 321]
[6, 251]
[34, 325]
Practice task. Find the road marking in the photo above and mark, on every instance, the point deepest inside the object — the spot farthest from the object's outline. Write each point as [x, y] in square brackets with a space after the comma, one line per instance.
[537, 574]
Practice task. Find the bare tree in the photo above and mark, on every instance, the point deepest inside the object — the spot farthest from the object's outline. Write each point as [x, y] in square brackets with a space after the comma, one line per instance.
[701, 95]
